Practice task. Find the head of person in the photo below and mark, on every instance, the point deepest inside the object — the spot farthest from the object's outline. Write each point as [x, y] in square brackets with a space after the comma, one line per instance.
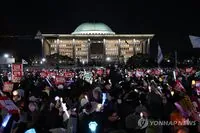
[97, 93]
[183, 130]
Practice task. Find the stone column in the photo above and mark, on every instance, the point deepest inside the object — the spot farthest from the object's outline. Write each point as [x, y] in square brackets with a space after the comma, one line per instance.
[42, 41]
[74, 49]
[104, 49]
[144, 47]
[134, 51]
[148, 46]
[119, 49]
[88, 44]
[46, 48]
[57, 46]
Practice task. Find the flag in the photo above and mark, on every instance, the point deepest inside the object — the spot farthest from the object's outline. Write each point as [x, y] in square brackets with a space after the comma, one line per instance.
[24, 62]
[195, 41]
[179, 87]
[160, 55]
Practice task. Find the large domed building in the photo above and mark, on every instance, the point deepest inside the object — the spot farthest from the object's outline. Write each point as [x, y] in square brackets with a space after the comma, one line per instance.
[95, 41]
[93, 28]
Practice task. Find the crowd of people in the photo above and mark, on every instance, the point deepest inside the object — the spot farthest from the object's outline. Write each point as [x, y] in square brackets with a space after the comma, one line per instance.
[104, 100]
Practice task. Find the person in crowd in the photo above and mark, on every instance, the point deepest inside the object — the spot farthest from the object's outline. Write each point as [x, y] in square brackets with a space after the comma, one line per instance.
[70, 100]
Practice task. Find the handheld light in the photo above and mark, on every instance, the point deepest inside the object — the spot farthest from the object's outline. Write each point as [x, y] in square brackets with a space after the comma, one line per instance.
[32, 130]
[193, 82]
[104, 98]
[93, 126]
[5, 120]
[57, 98]
[15, 93]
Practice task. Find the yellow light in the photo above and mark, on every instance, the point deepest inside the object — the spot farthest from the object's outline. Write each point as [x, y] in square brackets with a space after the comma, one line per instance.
[193, 82]
[160, 79]
[172, 93]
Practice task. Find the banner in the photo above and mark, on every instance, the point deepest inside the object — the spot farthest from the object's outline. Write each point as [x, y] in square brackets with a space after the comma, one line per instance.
[43, 74]
[88, 76]
[69, 74]
[198, 84]
[52, 74]
[17, 72]
[179, 87]
[6, 103]
[59, 80]
[139, 73]
[7, 86]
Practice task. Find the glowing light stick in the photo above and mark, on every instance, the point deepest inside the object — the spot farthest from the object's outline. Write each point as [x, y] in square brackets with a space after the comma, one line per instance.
[86, 97]
[6, 120]
[141, 114]
[174, 73]
[49, 82]
[193, 82]
[172, 93]
[149, 87]
[104, 98]
[64, 107]
[93, 126]
[56, 98]
[32, 130]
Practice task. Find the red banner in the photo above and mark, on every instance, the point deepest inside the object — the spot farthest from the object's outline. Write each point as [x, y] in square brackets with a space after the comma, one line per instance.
[179, 87]
[51, 74]
[69, 74]
[8, 87]
[59, 80]
[43, 74]
[6, 103]
[17, 72]
[139, 73]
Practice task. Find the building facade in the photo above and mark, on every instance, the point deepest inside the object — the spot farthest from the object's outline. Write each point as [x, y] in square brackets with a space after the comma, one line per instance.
[95, 41]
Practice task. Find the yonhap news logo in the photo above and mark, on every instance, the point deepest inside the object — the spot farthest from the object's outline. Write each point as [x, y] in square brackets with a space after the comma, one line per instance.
[143, 123]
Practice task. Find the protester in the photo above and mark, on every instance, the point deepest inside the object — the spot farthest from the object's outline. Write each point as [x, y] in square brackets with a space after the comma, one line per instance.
[114, 99]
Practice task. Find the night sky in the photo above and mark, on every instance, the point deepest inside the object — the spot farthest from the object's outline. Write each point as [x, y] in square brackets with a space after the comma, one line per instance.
[171, 21]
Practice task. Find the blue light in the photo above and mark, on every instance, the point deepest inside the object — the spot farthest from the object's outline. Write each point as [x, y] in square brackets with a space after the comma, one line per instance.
[93, 126]
[5, 120]
[32, 130]
[104, 98]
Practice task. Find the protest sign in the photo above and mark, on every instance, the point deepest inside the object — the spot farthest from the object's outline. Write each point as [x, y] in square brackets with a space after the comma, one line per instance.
[8, 87]
[17, 72]
[59, 80]
[6, 103]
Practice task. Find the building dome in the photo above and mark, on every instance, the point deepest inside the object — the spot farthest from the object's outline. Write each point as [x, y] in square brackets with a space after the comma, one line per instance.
[93, 28]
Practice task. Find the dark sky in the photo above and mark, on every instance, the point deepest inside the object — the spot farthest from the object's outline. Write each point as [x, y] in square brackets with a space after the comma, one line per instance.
[170, 20]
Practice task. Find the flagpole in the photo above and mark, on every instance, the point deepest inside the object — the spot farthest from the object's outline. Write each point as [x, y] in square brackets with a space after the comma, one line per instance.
[175, 54]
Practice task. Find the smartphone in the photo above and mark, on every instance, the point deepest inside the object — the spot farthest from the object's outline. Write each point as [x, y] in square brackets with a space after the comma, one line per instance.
[98, 109]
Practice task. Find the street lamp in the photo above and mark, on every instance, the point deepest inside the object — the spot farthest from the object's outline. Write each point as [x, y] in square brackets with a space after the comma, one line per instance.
[108, 59]
[43, 59]
[6, 55]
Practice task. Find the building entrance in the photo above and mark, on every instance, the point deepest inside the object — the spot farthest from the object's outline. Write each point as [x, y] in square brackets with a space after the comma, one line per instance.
[97, 51]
